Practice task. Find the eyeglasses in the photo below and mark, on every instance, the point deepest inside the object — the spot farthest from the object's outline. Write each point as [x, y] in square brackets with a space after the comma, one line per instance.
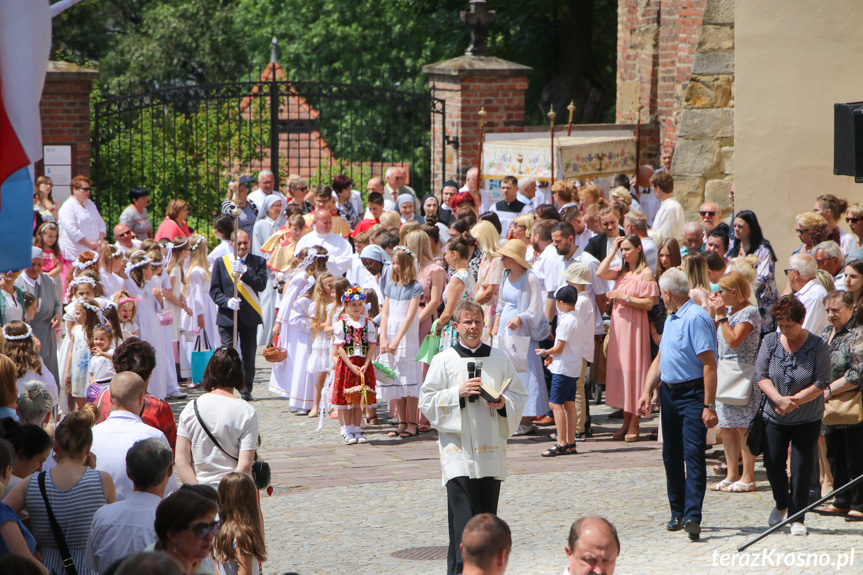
[201, 530]
[124, 234]
[707, 213]
[789, 270]
[83, 189]
[822, 260]
[852, 220]
[801, 232]
[303, 189]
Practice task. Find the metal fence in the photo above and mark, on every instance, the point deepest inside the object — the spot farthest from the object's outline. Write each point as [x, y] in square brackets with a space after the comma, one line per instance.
[179, 142]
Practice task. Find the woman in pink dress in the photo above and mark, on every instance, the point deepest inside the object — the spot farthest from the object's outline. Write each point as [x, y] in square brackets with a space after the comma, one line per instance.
[635, 292]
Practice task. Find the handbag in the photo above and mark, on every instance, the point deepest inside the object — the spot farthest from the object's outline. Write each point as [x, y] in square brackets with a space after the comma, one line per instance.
[166, 317]
[755, 435]
[517, 348]
[261, 473]
[429, 346]
[844, 408]
[734, 381]
[68, 561]
[273, 353]
[361, 394]
[200, 357]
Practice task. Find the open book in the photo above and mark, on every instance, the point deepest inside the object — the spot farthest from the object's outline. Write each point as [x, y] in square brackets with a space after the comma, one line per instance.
[491, 395]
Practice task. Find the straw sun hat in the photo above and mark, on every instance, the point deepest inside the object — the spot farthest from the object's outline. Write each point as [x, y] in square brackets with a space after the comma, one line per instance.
[516, 249]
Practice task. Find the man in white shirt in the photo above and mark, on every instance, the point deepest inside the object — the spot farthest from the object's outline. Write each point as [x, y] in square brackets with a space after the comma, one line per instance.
[486, 545]
[802, 279]
[126, 527]
[645, 196]
[830, 258]
[545, 260]
[115, 436]
[509, 207]
[266, 186]
[582, 232]
[669, 218]
[338, 249]
[636, 223]
[126, 240]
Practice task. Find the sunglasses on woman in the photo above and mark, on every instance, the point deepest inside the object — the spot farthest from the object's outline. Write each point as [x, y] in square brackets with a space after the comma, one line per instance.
[202, 529]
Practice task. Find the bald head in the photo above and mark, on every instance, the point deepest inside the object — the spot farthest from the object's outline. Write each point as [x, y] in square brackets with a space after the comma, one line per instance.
[323, 222]
[127, 391]
[644, 174]
[593, 546]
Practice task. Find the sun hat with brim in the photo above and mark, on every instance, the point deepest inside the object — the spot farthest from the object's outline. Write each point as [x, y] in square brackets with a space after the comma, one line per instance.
[516, 249]
[577, 273]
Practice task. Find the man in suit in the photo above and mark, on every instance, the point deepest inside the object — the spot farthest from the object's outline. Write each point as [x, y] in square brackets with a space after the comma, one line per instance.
[48, 309]
[598, 246]
[252, 273]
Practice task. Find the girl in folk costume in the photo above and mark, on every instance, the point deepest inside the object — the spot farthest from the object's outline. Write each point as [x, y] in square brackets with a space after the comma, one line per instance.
[21, 348]
[141, 285]
[178, 255]
[126, 312]
[162, 281]
[270, 219]
[400, 337]
[77, 367]
[110, 268]
[320, 360]
[197, 291]
[355, 338]
[101, 366]
[308, 262]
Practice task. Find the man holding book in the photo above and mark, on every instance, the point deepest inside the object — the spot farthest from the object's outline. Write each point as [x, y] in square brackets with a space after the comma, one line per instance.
[472, 430]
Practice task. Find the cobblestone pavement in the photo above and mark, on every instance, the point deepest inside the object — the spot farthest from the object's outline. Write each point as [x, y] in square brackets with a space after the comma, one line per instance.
[340, 509]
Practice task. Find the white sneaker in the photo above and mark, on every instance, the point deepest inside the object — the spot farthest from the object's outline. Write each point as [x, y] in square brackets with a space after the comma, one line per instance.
[798, 529]
[177, 395]
[350, 439]
[777, 516]
[360, 438]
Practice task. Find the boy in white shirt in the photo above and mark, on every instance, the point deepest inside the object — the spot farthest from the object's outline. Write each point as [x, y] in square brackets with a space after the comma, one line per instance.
[669, 218]
[565, 362]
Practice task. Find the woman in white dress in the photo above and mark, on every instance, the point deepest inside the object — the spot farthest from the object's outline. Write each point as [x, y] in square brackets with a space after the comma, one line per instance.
[202, 320]
[175, 298]
[110, 266]
[163, 281]
[270, 220]
[141, 284]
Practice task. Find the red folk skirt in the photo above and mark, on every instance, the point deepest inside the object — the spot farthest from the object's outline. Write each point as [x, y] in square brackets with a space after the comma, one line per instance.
[345, 378]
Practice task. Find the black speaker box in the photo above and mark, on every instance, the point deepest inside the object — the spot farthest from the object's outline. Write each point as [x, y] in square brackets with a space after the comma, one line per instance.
[848, 140]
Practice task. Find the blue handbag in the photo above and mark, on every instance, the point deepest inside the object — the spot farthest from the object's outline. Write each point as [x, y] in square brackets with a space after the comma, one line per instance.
[201, 357]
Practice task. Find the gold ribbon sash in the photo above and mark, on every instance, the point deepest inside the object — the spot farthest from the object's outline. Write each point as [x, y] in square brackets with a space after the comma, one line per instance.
[244, 290]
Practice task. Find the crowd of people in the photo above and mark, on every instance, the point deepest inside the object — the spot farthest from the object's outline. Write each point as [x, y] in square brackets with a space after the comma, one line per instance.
[382, 303]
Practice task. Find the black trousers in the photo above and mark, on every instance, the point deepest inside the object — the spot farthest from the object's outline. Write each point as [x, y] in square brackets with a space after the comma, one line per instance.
[247, 336]
[465, 498]
[803, 438]
[845, 454]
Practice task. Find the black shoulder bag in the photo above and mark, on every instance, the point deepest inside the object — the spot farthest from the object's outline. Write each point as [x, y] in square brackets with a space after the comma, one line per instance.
[260, 469]
[68, 562]
[755, 435]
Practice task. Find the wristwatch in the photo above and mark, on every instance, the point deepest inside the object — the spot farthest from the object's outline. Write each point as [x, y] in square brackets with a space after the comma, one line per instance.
[710, 406]
[720, 320]
[628, 299]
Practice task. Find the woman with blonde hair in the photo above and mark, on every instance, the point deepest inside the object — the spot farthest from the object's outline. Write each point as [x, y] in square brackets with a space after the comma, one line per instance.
[621, 196]
[591, 196]
[804, 223]
[746, 266]
[391, 220]
[490, 271]
[831, 209]
[738, 332]
[174, 224]
[521, 229]
[695, 267]
[635, 293]
[854, 218]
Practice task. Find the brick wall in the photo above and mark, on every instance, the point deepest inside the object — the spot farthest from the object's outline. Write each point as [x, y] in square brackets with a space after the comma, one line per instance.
[65, 112]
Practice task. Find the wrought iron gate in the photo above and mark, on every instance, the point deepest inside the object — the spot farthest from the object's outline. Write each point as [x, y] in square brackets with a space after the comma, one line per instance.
[179, 142]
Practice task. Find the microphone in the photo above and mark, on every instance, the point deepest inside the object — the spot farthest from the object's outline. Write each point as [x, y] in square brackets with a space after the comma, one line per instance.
[471, 373]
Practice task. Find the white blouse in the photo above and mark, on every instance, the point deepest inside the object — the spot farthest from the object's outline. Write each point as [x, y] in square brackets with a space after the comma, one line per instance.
[78, 223]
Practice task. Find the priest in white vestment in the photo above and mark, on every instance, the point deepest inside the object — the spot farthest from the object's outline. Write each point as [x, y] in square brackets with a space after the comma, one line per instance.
[338, 248]
[472, 433]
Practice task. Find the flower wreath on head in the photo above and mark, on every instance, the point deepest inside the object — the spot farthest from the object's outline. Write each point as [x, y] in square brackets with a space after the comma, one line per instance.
[405, 250]
[311, 255]
[197, 243]
[82, 280]
[130, 266]
[354, 293]
[21, 337]
[81, 266]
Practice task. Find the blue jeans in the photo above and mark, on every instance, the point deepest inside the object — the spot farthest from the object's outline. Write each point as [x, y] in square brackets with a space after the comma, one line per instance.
[684, 438]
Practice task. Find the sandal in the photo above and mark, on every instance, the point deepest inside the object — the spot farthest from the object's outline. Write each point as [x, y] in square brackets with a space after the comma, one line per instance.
[555, 451]
[854, 516]
[740, 487]
[830, 510]
[406, 434]
[370, 420]
[396, 432]
[572, 449]
[423, 428]
[721, 486]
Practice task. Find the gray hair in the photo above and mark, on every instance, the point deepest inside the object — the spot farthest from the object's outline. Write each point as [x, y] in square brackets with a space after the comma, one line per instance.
[693, 228]
[804, 264]
[148, 462]
[830, 248]
[637, 220]
[296, 183]
[675, 281]
[35, 403]
[524, 182]
[263, 173]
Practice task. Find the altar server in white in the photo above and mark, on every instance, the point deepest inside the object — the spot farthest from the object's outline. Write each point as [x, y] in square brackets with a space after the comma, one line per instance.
[338, 248]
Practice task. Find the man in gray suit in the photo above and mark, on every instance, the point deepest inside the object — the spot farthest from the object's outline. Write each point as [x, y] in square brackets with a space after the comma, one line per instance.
[48, 310]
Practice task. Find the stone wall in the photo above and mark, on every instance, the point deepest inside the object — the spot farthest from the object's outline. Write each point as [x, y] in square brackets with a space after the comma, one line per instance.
[703, 166]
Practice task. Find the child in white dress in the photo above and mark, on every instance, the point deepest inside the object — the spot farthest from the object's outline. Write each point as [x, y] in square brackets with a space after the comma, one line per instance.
[167, 318]
[320, 360]
[77, 366]
[101, 364]
[202, 320]
[126, 312]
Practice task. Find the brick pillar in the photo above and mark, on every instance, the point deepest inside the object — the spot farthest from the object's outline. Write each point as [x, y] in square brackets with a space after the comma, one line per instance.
[65, 111]
[466, 84]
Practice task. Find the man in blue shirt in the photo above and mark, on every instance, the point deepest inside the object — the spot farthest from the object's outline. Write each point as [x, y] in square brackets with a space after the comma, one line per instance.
[686, 367]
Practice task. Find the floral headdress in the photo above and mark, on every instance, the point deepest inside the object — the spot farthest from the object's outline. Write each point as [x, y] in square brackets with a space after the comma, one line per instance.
[354, 293]
[311, 255]
[130, 266]
[405, 250]
[81, 266]
[197, 243]
[21, 337]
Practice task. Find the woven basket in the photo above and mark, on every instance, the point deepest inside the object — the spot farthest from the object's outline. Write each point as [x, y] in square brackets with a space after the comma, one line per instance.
[360, 394]
[275, 354]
